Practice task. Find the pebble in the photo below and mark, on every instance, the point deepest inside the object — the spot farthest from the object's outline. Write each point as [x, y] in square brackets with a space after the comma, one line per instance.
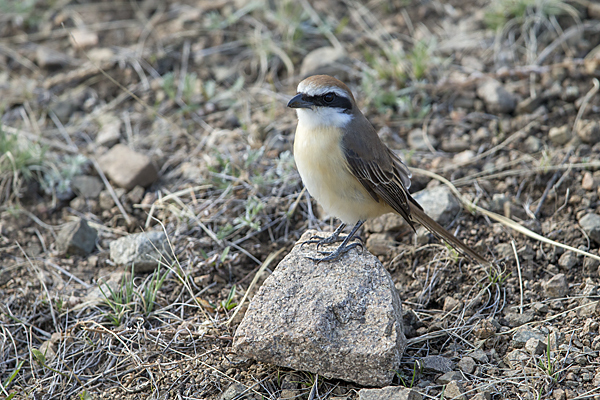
[496, 98]
[467, 365]
[568, 260]
[128, 168]
[87, 186]
[587, 182]
[439, 203]
[557, 286]
[436, 364]
[142, 250]
[389, 393]
[454, 390]
[590, 223]
[535, 346]
[449, 377]
[588, 131]
[77, 238]
[82, 38]
[559, 135]
[109, 133]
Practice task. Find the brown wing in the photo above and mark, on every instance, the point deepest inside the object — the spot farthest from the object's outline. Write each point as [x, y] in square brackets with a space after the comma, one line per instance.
[378, 169]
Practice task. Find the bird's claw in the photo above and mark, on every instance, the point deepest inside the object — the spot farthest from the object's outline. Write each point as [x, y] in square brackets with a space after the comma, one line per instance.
[337, 253]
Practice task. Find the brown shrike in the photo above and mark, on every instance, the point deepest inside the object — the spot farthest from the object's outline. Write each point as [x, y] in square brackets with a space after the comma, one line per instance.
[348, 169]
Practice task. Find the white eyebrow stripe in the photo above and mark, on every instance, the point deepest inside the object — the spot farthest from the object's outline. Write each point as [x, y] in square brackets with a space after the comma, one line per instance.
[314, 90]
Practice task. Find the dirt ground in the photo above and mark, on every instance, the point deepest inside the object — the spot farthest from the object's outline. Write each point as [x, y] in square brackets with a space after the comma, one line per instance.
[201, 87]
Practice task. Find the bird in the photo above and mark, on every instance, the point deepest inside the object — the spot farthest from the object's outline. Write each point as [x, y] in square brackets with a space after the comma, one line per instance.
[351, 173]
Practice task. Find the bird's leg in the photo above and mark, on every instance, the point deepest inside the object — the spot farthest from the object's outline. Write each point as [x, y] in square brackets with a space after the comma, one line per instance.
[342, 248]
[320, 241]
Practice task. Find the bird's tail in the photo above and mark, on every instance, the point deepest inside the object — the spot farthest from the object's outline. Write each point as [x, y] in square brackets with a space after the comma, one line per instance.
[419, 215]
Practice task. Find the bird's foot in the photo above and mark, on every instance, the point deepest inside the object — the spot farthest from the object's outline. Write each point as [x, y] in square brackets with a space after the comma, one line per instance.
[321, 241]
[337, 253]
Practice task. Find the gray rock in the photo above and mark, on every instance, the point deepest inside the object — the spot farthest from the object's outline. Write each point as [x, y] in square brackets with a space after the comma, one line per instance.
[479, 356]
[467, 365]
[496, 98]
[518, 319]
[436, 364]
[532, 144]
[110, 130]
[324, 60]
[76, 238]
[588, 131]
[380, 243]
[50, 58]
[557, 286]
[338, 319]
[522, 335]
[590, 223]
[449, 377]
[568, 260]
[389, 393]
[234, 391]
[535, 346]
[559, 135]
[454, 390]
[516, 359]
[144, 250]
[87, 186]
[127, 168]
[439, 203]
[416, 142]
[482, 396]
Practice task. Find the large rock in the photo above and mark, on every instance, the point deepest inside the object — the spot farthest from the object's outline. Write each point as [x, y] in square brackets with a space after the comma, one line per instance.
[127, 168]
[76, 238]
[339, 319]
[144, 250]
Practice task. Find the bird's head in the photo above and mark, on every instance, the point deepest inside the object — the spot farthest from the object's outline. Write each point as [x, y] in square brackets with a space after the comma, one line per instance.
[323, 101]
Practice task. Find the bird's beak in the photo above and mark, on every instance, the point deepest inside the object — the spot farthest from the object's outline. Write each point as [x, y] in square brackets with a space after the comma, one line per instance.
[298, 102]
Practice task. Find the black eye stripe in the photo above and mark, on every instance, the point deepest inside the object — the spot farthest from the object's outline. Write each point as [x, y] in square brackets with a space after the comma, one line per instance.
[338, 101]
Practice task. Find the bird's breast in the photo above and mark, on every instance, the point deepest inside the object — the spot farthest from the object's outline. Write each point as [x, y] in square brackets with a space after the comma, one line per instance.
[324, 170]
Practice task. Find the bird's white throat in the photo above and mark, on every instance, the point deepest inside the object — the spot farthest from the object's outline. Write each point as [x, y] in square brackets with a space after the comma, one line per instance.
[323, 117]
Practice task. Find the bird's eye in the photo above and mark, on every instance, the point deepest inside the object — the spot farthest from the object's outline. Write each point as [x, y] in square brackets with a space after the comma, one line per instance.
[329, 97]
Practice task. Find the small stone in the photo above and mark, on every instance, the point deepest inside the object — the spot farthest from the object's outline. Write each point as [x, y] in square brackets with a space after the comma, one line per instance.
[417, 142]
[484, 329]
[516, 359]
[234, 391]
[467, 365]
[451, 304]
[587, 182]
[389, 393]
[86, 186]
[518, 319]
[588, 131]
[591, 225]
[568, 260]
[522, 335]
[540, 308]
[144, 250]
[559, 135]
[557, 286]
[449, 377]
[109, 133]
[380, 243]
[341, 320]
[127, 168]
[82, 38]
[289, 394]
[436, 364]
[496, 98]
[50, 58]
[77, 238]
[535, 346]
[559, 394]
[439, 203]
[454, 390]
[482, 396]
[479, 356]
[463, 157]
[533, 144]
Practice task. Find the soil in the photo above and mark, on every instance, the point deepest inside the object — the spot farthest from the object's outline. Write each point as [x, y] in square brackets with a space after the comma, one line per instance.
[200, 87]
